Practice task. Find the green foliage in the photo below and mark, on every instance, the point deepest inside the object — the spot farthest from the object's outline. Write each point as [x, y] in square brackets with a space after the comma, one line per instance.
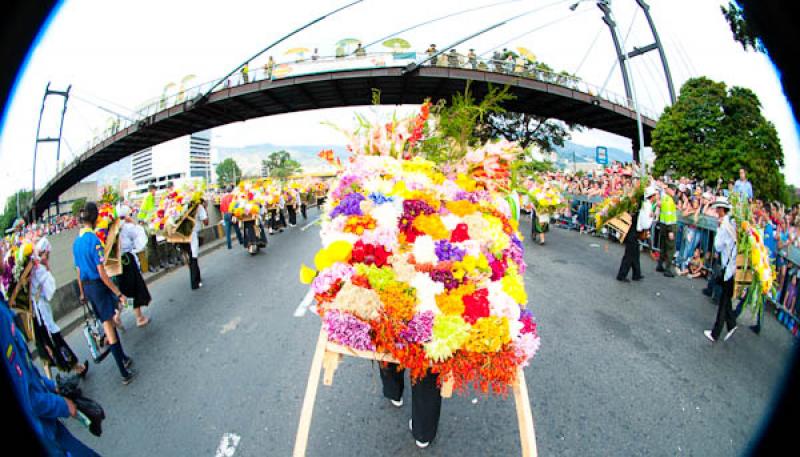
[10, 210]
[741, 29]
[77, 205]
[110, 195]
[457, 123]
[712, 131]
[280, 165]
[228, 172]
[527, 130]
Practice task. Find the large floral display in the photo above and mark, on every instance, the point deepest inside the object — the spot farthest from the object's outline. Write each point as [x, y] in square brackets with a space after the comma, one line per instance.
[424, 261]
[173, 206]
[15, 253]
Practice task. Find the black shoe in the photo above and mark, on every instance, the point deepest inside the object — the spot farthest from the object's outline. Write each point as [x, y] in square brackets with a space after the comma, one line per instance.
[706, 292]
[623, 280]
[755, 329]
[660, 269]
[669, 274]
[129, 378]
[639, 278]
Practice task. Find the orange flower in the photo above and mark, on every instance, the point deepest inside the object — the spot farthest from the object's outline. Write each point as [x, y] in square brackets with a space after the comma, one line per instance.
[431, 225]
[461, 207]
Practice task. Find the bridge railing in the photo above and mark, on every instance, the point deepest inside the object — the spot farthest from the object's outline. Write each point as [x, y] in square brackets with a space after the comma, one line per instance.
[301, 66]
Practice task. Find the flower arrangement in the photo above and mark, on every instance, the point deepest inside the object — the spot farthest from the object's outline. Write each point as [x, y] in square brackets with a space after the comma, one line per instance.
[251, 196]
[423, 261]
[15, 253]
[174, 205]
[616, 205]
[751, 248]
[106, 215]
[545, 196]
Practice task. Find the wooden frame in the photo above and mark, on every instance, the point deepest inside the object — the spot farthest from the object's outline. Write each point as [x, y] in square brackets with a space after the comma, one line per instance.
[622, 224]
[24, 279]
[113, 248]
[743, 277]
[175, 237]
[326, 360]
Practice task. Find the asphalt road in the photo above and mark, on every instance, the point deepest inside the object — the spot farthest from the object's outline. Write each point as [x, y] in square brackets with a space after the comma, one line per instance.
[624, 369]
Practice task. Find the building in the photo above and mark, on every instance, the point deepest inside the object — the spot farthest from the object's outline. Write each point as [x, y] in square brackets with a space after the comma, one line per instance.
[188, 157]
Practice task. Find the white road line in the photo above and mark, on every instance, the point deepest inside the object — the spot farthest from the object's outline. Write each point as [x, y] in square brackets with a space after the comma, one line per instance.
[303, 306]
[310, 224]
[227, 445]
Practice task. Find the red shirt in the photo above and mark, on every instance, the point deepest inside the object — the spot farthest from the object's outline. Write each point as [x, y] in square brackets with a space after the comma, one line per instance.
[225, 203]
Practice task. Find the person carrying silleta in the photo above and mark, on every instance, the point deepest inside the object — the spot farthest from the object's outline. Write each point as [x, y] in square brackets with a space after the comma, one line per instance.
[426, 402]
[201, 220]
[725, 245]
[131, 283]
[230, 221]
[640, 223]
[96, 287]
[667, 225]
[291, 206]
[146, 211]
[49, 342]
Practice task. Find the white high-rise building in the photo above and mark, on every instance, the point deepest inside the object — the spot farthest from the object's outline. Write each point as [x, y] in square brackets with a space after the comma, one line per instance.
[182, 158]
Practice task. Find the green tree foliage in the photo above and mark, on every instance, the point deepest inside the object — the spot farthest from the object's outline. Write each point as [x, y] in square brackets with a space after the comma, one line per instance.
[10, 210]
[280, 165]
[77, 205]
[741, 29]
[712, 131]
[527, 129]
[228, 172]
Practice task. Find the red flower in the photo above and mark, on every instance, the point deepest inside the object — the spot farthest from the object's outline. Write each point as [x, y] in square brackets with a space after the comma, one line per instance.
[498, 269]
[160, 213]
[460, 233]
[369, 254]
[360, 281]
[476, 305]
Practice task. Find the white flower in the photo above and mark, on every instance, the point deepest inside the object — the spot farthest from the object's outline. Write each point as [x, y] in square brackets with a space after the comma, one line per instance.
[386, 216]
[424, 250]
[427, 290]
[451, 221]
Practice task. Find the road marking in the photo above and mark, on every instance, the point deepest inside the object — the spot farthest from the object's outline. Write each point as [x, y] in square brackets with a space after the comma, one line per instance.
[310, 224]
[227, 445]
[303, 306]
[230, 325]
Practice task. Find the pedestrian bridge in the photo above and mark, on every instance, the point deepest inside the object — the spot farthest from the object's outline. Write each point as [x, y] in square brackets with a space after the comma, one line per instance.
[348, 81]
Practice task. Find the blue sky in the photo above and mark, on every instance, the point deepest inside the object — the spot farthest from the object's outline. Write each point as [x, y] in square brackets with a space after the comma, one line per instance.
[120, 54]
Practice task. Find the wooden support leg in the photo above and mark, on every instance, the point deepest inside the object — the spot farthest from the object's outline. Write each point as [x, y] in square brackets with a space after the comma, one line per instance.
[301, 440]
[330, 362]
[447, 387]
[527, 434]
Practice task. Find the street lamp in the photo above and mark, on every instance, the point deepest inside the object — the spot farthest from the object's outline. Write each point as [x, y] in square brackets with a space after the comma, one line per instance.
[608, 17]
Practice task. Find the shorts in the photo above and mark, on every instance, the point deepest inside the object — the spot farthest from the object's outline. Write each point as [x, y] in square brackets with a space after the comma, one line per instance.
[103, 301]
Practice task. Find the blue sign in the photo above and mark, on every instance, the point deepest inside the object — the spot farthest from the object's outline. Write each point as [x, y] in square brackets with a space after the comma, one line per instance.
[601, 155]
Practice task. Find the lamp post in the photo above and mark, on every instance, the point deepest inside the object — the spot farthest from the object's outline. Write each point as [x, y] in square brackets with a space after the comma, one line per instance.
[624, 60]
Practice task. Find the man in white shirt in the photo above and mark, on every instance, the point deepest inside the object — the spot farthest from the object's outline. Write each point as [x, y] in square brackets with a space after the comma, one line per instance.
[640, 222]
[725, 245]
[200, 221]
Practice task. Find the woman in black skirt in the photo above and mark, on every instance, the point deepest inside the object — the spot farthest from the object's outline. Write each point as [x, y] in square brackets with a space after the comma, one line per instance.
[49, 343]
[133, 240]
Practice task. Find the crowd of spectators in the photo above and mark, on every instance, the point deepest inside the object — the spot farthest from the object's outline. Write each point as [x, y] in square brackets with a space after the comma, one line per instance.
[48, 226]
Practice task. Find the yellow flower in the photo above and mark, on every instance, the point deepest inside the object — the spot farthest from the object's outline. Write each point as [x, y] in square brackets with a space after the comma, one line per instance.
[431, 225]
[466, 183]
[488, 334]
[307, 274]
[513, 286]
[461, 207]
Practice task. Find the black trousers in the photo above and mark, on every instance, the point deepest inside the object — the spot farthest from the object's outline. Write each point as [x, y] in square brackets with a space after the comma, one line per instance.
[725, 315]
[194, 267]
[303, 208]
[426, 400]
[292, 214]
[630, 260]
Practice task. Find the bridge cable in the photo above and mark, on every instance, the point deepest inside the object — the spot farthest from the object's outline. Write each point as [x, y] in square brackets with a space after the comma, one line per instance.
[431, 21]
[104, 101]
[543, 26]
[591, 47]
[415, 65]
[653, 76]
[285, 37]
[103, 108]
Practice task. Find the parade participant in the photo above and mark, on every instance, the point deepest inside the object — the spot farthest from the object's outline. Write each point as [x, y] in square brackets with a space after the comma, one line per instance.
[298, 204]
[291, 208]
[228, 218]
[725, 245]
[426, 402]
[201, 220]
[146, 211]
[96, 287]
[37, 395]
[282, 211]
[668, 222]
[49, 341]
[320, 193]
[305, 200]
[538, 225]
[640, 223]
[133, 240]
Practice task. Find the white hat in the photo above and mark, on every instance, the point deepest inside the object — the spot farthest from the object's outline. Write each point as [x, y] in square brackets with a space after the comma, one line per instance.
[707, 195]
[42, 246]
[649, 191]
[124, 211]
[721, 202]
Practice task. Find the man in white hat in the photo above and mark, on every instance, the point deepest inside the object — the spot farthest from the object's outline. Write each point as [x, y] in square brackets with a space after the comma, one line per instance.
[725, 245]
[641, 222]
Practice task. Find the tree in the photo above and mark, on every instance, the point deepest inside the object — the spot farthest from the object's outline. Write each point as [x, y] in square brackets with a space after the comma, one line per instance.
[228, 172]
[712, 131]
[280, 164]
[10, 210]
[742, 31]
[527, 129]
[77, 206]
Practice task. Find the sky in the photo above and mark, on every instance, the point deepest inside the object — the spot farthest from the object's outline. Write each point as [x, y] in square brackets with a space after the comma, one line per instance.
[120, 54]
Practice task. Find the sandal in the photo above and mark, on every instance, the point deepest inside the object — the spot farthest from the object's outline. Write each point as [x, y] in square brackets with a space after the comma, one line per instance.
[142, 322]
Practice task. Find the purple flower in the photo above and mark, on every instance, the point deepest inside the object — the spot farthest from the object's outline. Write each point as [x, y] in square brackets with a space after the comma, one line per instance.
[347, 330]
[379, 198]
[447, 251]
[419, 328]
[349, 206]
[445, 277]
